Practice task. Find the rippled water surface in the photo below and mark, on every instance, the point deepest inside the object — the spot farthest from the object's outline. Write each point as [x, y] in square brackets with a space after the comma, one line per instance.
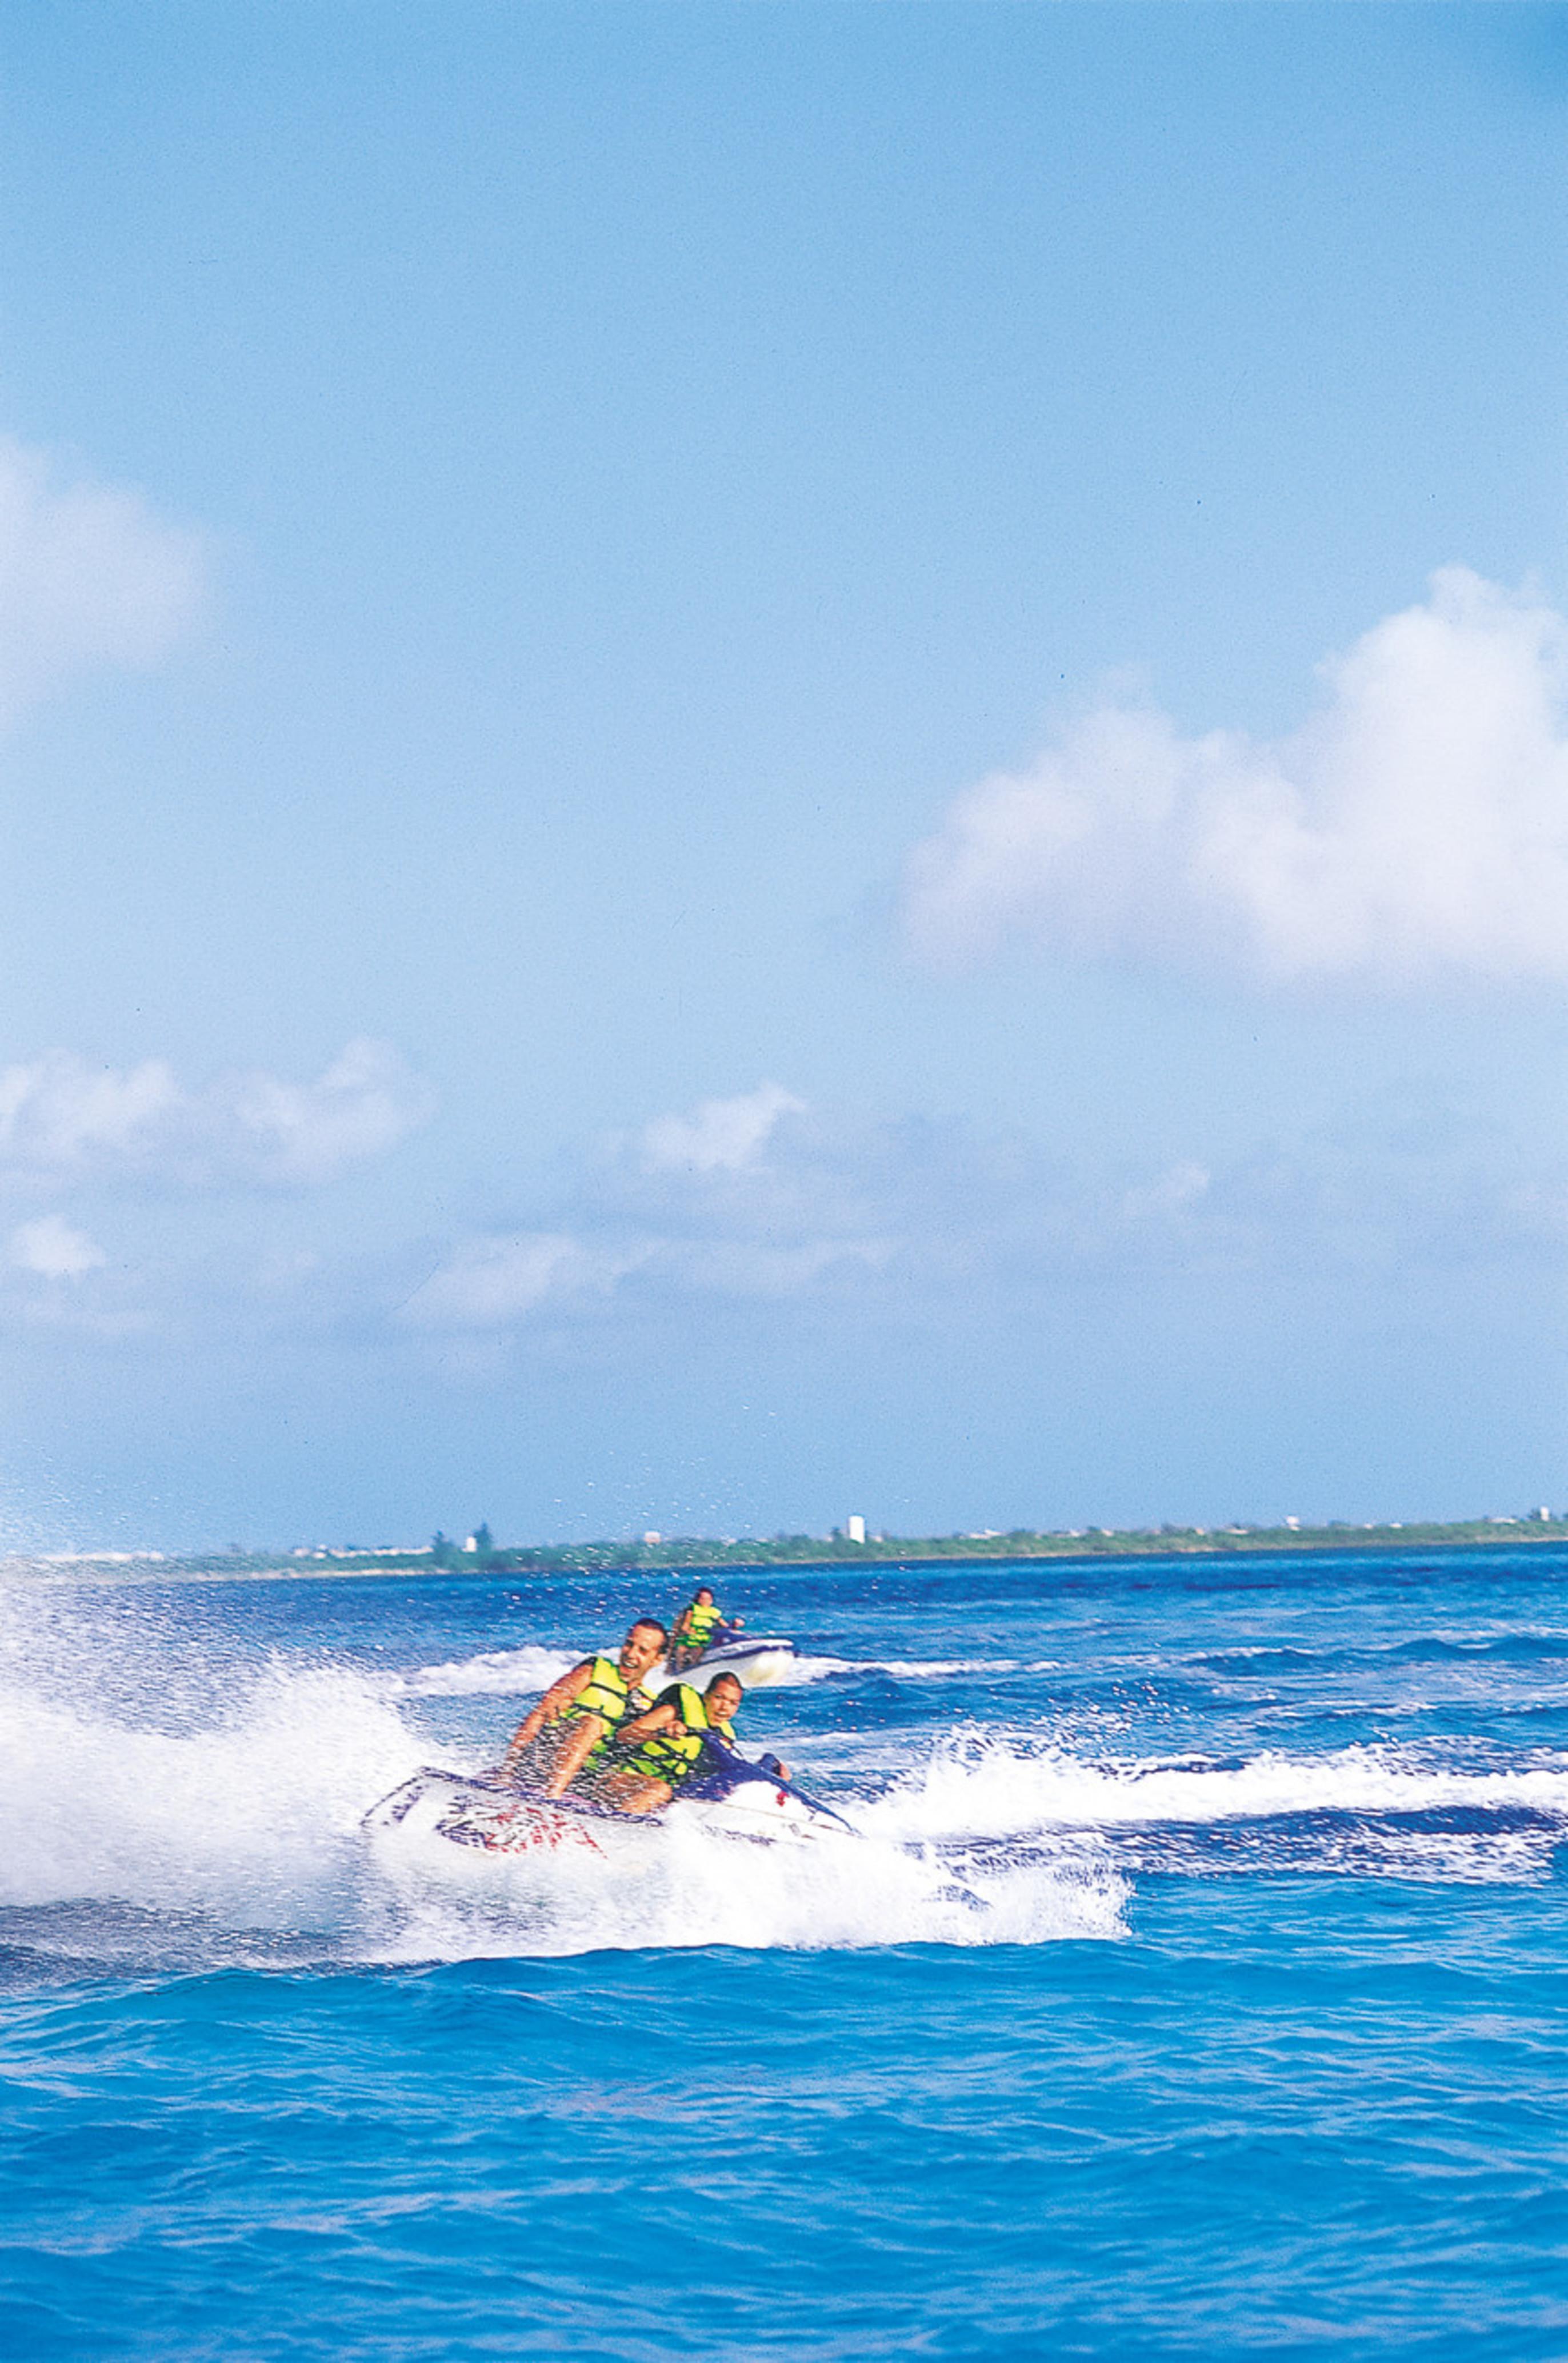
[1192, 1983]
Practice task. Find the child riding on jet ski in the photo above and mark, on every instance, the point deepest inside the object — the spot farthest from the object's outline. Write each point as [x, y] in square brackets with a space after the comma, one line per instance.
[640, 1766]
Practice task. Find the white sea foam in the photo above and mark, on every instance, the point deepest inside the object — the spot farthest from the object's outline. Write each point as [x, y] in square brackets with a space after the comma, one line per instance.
[820, 1667]
[498, 1673]
[687, 1888]
[920, 1670]
[244, 1815]
[977, 1787]
[172, 1783]
[508, 1672]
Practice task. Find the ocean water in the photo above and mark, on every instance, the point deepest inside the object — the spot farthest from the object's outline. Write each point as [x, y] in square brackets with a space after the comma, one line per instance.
[1193, 1984]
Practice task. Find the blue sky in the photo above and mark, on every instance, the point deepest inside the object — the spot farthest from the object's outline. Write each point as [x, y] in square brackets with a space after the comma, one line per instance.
[770, 760]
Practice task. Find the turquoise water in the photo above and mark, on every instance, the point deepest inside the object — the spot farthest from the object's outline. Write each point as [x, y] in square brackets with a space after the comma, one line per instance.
[1194, 1983]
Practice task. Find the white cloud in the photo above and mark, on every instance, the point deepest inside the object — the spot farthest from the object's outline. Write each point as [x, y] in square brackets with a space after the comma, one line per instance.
[1417, 825]
[783, 1225]
[50, 1247]
[61, 1116]
[490, 1282]
[720, 1136]
[859, 1225]
[89, 576]
[359, 1106]
[60, 1112]
[1170, 1193]
[758, 1268]
[840, 1229]
[502, 1281]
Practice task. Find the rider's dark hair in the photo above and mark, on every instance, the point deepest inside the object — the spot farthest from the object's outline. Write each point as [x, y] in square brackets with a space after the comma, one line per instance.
[650, 1624]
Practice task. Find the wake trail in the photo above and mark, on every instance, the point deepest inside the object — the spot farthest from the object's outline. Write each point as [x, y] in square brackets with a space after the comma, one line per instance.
[505, 1673]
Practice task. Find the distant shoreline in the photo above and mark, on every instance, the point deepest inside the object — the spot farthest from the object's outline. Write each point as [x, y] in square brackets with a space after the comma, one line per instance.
[691, 1554]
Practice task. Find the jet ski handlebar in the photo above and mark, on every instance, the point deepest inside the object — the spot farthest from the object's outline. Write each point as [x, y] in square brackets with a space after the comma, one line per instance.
[743, 1768]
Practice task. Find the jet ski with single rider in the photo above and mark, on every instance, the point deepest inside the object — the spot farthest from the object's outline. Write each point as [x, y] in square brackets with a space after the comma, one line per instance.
[702, 1635]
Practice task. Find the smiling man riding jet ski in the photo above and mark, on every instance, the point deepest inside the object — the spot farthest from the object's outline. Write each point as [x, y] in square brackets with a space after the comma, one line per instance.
[551, 1744]
[644, 1761]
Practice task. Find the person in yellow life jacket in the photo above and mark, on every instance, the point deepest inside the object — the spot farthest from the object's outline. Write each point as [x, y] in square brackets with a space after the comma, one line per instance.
[652, 1754]
[553, 1742]
[695, 1628]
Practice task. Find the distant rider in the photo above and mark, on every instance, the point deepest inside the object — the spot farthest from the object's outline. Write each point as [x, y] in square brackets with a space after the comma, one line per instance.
[695, 1628]
[552, 1743]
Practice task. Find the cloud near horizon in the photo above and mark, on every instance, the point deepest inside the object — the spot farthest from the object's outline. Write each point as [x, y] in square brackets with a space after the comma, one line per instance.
[717, 1201]
[1416, 827]
[61, 1117]
[89, 577]
[915, 1222]
[841, 1233]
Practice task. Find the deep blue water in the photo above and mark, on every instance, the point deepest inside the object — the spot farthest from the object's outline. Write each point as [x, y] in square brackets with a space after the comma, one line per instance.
[1195, 1983]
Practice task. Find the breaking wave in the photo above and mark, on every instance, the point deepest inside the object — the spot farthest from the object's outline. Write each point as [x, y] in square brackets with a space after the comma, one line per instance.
[1007, 1789]
[1369, 1810]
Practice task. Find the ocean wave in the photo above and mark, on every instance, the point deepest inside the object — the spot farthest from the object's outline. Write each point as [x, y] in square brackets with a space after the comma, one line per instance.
[159, 1781]
[900, 1669]
[975, 1786]
[507, 1672]
[690, 1889]
[245, 1813]
[494, 1673]
[1527, 1646]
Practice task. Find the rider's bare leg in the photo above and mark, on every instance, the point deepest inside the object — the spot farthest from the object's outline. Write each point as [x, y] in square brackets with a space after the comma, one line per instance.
[582, 1739]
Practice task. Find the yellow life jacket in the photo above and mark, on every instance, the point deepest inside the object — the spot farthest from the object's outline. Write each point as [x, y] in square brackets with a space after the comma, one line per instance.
[662, 1756]
[701, 1625]
[603, 1693]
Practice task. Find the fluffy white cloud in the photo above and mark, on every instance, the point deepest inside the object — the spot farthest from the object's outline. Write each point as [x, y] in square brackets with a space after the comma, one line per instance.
[89, 576]
[60, 1112]
[864, 1224]
[359, 1106]
[1417, 825]
[839, 1229]
[50, 1247]
[490, 1282]
[720, 1136]
[716, 1201]
[59, 1116]
[500, 1283]
[1171, 1193]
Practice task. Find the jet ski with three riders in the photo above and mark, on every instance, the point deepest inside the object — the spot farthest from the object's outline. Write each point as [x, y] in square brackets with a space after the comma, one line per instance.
[599, 1756]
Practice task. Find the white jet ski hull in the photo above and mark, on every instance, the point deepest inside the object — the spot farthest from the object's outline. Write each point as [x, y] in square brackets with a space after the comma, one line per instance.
[755, 1663]
[492, 1818]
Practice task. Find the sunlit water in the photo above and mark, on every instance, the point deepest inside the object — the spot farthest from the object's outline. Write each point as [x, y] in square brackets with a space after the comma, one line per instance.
[1193, 1982]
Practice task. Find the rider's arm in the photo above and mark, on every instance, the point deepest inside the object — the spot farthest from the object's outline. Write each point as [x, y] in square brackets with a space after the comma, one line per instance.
[559, 1696]
[662, 1717]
